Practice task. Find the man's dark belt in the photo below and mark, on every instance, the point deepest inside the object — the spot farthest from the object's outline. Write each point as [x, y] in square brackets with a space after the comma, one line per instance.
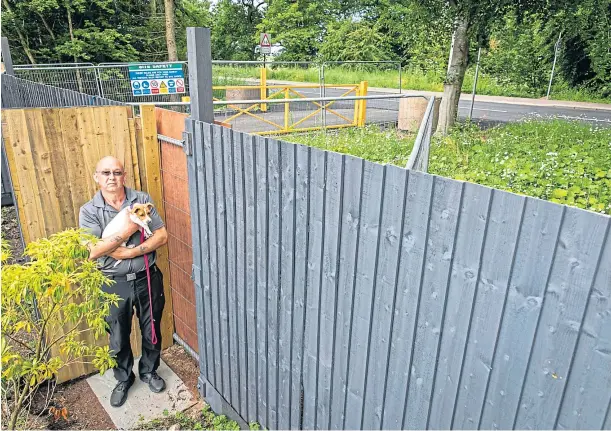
[134, 275]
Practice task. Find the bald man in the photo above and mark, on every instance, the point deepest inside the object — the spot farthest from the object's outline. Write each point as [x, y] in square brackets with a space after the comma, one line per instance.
[129, 276]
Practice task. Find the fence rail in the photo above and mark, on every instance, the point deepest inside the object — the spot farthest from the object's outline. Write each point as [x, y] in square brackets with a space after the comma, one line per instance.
[332, 292]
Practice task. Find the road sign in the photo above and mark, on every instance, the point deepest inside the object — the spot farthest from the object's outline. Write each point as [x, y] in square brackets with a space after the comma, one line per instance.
[156, 78]
[265, 43]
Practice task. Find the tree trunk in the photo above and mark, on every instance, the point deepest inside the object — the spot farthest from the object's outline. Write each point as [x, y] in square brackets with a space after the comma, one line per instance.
[457, 66]
[170, 31]
[22, 39]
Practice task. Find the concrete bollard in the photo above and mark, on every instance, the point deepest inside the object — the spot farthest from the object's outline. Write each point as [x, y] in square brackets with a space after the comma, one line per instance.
[411, 112]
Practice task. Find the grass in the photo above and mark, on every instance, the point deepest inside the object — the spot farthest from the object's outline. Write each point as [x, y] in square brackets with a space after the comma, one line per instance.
[556, 160]
[411, 79]
[205, 419]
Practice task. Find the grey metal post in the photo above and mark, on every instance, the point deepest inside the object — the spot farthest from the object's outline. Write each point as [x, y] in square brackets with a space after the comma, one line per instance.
[479, 52]
[551, 78]
[6, 57]
[200, 73]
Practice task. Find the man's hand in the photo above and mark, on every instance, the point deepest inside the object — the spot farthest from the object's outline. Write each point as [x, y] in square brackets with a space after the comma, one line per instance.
[158, 239]
[122, 253]
[107, 245]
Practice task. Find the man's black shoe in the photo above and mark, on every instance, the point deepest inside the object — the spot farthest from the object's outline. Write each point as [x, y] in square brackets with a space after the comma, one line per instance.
[119, 393]
[156, 383]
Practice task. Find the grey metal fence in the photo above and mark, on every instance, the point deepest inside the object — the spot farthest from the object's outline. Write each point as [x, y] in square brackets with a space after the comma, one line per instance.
[335, 293]
[419, 157]
[22, 93]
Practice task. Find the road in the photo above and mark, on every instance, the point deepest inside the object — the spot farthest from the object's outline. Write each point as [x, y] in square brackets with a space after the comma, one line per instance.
[490, 113]
[487, 113]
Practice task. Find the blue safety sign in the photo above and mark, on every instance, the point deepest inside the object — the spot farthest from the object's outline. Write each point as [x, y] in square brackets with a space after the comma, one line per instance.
[156, 78]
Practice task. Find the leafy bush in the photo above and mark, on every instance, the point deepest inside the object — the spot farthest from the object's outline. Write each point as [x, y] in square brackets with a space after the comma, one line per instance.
[52, 301]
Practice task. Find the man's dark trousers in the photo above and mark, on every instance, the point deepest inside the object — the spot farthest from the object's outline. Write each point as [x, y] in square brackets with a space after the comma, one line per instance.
[134, 294]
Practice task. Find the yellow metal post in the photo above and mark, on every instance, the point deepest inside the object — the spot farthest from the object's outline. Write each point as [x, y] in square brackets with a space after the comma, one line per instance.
[264, 88]
[357, 105]
[286, 109]
[363, 108]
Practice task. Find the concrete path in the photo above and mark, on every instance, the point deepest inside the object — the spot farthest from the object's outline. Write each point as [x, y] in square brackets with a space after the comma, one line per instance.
[142, 405]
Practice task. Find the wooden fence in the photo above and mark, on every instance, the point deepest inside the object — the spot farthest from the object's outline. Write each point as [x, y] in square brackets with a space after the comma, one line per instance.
[52, 155]
[335, 293]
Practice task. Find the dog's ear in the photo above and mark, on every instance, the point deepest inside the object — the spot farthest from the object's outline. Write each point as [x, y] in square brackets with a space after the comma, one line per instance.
[149, 206]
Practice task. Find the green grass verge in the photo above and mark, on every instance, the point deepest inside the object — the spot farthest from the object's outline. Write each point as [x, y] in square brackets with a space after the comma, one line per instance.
[411, 79]
[556, 160]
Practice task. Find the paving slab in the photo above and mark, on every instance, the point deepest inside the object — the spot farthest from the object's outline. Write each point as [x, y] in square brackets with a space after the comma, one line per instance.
[142, 405]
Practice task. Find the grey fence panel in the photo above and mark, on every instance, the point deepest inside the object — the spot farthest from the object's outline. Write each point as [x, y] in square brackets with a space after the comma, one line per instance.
[262, 259]
[583, 409]
[273, 277]
[287, 283]
[231, 253]
[200, 236]
[250, 227]
[532, 263]
[339, 293]
[495, 268]
[372, 195]
[445, 210]
[330, 266]
[383, 301]
[313, 276]
[462, 285]
[353, 174]
[237, 146]
[573, 273]
[208, 170]
[411, 264]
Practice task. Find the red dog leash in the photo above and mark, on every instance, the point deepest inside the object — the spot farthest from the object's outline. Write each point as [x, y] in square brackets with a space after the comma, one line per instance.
[148, 280]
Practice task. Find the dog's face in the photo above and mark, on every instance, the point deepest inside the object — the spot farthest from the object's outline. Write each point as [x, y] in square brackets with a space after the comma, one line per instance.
[141, 213]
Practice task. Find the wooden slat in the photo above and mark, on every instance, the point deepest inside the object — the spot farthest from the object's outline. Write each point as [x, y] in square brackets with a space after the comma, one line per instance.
[353, 171]
[313, 274]
[73, 154]
[443, 221]
[372, 195]
[568, 288]
[388, 253]
[287, 284]
[261, 259]
[500, 242]
[152, 166]
[533, 260]
[461, 291]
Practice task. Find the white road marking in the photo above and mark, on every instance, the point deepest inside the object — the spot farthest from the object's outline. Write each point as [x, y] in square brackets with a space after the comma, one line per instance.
[482, 109]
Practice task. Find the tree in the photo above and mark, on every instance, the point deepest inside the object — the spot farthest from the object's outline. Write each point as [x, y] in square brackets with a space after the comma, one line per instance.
[234, 29]
[355, 41]
[299, 25]
[170, 32]
[49, 304]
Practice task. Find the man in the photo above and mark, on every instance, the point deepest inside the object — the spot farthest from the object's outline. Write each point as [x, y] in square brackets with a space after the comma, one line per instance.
[130, 280]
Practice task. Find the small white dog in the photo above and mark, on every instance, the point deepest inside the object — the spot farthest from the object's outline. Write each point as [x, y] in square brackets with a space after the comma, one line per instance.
[138, 213]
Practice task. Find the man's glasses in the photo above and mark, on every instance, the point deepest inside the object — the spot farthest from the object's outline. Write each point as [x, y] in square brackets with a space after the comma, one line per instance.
[115, 173]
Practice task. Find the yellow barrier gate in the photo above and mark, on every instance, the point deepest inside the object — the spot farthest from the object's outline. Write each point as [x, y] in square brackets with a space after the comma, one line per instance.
[283, 124]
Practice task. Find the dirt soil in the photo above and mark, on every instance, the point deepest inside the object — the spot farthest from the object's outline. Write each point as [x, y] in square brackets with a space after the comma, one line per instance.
[11, 233]
[85, 411]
